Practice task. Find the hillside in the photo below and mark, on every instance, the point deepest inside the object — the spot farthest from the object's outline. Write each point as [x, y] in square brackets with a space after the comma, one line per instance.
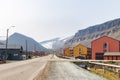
[85, 36]
[19, 39]
[55, 43]
[49, 43]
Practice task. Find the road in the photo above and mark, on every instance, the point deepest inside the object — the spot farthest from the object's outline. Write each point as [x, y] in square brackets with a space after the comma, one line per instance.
[45, 68]
[23, 70]
[66, 71]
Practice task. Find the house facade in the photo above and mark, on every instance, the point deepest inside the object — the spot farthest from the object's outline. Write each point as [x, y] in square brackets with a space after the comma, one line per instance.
[102, 45]
[68, 52]
[82, 51]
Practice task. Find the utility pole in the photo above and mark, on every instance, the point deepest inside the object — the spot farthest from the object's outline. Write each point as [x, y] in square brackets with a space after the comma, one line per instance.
[26, 49]
[4, 57]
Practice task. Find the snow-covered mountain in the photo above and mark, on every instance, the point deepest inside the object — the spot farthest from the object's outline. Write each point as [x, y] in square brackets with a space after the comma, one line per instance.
[54, 43]
[22, 40]
[49, 43]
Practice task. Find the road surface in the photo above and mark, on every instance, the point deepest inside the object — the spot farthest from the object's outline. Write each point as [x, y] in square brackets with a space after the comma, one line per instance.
[45, 68]
[22, 70]
[66, 71]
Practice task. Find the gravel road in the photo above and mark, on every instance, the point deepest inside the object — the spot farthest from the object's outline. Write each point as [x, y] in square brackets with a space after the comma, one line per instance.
[66, 71]
[22, 70]
[45, 68]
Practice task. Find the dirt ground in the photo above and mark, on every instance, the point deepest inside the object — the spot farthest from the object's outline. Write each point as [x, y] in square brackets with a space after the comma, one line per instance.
[107, 74]
[66, 71]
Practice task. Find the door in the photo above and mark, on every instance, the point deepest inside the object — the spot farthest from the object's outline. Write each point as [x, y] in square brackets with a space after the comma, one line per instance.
[99, 56]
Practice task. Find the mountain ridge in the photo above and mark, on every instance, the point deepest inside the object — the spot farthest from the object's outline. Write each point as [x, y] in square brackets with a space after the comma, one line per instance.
[55, 43]
[85, 36]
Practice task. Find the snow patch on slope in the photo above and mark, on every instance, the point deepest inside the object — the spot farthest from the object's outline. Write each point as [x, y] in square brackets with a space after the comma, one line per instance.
[55, 43]
[47, 45]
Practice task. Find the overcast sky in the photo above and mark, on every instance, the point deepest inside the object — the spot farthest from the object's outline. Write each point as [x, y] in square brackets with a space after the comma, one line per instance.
[47, 19]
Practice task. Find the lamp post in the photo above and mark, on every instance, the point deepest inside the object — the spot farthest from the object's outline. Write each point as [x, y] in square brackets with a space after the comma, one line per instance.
[7, 43]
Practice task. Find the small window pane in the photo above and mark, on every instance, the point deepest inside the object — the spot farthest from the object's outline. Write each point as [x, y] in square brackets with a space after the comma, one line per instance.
[105, 45]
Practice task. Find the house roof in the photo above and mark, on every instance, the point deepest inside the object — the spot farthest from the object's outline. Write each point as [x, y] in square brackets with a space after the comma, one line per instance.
[74, 45]
[107, 37]
[112, 54]
[82, 45]
[10, 47]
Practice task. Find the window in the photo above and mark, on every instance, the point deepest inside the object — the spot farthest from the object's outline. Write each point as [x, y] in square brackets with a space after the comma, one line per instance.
[15, 54]
[105, 45]
[80, 51]
[71, 51]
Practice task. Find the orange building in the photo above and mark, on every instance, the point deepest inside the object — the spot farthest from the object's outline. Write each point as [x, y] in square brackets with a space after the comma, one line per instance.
[68, 52]
[82, 51]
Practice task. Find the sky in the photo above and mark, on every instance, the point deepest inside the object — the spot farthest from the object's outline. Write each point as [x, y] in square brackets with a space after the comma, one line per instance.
[47, 19]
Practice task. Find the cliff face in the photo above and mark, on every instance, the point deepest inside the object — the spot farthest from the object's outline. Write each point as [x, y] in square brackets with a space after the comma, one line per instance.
[85, 36]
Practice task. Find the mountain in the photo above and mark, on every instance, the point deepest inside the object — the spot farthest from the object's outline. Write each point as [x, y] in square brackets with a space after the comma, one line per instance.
[22, 40]
[49, 43]
[54, 43]
[1, 42]
[85, 36]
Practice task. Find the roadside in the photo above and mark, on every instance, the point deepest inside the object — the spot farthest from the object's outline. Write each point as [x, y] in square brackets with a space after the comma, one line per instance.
[66, 71]
[109, 72]
[106, 74]
[14, 61]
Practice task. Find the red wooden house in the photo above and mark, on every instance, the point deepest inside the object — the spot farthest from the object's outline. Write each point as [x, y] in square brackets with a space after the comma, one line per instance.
[105, 44]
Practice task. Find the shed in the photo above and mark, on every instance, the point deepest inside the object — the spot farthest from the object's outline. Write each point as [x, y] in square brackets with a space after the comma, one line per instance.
[13, 52]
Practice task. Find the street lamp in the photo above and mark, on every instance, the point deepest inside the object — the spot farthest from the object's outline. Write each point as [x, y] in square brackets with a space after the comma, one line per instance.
[7, 40]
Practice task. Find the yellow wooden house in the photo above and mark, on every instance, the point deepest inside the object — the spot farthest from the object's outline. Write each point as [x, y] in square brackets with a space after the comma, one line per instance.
[82, 51]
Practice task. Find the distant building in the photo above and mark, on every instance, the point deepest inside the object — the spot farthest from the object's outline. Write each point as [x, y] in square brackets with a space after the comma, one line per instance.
[68, 52]
[13, 52]
[82, 51]
[78, 51]
[102, 48]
